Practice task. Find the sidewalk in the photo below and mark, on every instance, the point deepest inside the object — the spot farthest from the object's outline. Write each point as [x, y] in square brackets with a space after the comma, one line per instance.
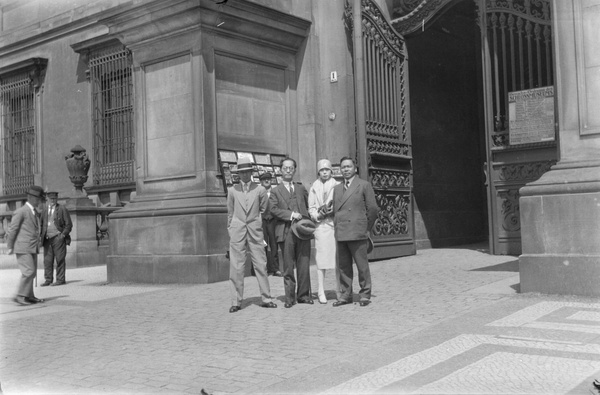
[446, 321]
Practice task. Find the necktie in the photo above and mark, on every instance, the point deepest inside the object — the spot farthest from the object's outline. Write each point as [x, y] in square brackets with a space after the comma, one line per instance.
[245, 188]
[291, 188]
[346, 184]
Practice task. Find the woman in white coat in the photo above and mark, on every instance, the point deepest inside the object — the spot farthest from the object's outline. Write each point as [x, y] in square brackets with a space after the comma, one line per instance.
[320, 208]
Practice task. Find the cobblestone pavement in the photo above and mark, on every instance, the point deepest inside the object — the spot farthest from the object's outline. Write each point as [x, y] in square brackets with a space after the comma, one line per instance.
[446, 321]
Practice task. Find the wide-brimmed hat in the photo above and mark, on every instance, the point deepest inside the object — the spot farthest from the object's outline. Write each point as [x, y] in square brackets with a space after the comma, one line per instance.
[244, 164]
[304, 229]
[370, 244]
[35, 190]
[323, 164]
[265, 176]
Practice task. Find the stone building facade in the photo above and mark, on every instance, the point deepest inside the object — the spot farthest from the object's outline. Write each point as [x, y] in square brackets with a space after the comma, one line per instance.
[165, 95]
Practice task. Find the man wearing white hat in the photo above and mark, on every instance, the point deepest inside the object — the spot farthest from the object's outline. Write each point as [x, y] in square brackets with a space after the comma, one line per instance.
[246, 202]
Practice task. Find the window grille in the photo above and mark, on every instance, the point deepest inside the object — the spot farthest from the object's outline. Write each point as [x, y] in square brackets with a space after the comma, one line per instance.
[17, 98]
[112, 116]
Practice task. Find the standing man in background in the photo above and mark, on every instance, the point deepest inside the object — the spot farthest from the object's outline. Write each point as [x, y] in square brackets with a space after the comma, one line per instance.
[269, 230]
[56, 226]
[355, 211]
[24, 239]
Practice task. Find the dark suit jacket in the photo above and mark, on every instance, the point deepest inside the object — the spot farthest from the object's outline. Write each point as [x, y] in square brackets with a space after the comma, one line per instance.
[62, 221]
[23, 232]
[280, 206]
[355, 210]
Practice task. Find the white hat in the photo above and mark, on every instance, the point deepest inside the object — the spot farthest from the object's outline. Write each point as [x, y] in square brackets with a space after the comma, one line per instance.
[323, 164]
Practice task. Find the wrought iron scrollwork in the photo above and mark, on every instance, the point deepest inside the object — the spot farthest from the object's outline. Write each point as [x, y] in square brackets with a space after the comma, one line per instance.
[392, 219]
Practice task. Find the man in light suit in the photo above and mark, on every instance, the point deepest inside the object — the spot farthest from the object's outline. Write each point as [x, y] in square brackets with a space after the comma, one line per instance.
[289, 203]
[246, 202]
[355, 211]
[23, 240]
[56, 226]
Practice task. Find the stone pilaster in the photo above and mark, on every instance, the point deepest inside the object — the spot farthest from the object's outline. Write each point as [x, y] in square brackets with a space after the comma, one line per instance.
[560, 212]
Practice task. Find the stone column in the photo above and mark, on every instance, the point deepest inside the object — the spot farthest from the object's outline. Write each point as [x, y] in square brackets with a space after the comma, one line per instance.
[560, 213]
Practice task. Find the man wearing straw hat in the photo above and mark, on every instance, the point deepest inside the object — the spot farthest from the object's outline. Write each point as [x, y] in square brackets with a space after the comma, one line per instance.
[246, 202]
[23, 240]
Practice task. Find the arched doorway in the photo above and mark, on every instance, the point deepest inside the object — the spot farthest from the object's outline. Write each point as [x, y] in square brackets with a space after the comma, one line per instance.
[447, 123]
[466, 58]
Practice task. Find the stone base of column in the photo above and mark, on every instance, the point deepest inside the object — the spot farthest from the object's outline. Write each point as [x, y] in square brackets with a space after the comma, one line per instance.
[560, 231]
[162, 241]
[83, 250]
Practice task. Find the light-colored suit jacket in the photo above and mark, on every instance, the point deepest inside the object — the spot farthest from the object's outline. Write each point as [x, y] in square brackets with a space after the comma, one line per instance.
[244, 212]
[280, 204]
[24, 232]
[355, 210]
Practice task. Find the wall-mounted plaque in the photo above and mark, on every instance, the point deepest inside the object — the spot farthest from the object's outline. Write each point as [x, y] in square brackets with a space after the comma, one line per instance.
[227, 156]
[276, 159]
[262, 159]
[247, 155]
[531, 116]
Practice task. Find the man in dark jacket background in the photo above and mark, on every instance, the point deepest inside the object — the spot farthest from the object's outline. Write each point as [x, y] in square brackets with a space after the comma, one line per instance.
[56, 226]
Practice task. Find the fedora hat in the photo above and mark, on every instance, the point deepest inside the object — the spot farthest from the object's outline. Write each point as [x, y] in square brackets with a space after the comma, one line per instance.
[35, 190]
[265, 176]
[370, 244]
[52, 194]
[304, 229]
[244, 164]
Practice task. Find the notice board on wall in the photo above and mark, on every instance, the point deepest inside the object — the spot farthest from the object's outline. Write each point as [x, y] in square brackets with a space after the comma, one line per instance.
[531, 116]
[262, 163]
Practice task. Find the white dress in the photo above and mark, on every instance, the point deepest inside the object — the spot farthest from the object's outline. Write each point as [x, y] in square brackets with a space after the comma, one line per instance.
[325, 244]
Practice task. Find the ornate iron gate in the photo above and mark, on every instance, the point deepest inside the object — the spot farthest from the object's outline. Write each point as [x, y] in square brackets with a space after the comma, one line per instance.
[517, 51]
[383, 125]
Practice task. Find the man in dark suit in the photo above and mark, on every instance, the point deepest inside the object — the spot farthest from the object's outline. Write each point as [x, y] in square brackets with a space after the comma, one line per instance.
[24, 239]
[288, 203]
[355, 211]
[56, 226]
[268, 223]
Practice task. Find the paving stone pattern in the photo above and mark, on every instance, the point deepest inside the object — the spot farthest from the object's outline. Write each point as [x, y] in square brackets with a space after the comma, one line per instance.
[443, 321]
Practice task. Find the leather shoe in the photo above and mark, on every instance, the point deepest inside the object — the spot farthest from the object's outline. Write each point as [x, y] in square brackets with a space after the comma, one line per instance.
[340, 303]
[46, 284]
[288, 305]
[364, 303]
[234, 309]
[21, 300]
[58, 283]
[306, 301]
[269, 305]
[34, 300]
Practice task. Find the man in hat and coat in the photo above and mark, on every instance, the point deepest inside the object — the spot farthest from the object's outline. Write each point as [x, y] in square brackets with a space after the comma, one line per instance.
[246, 202]
[289, 204]
[23, 239]
[355, 211]
[56, 226]
[269, 230]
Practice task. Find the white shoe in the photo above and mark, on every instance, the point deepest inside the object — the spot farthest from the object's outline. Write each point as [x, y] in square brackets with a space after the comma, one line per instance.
[322, 299]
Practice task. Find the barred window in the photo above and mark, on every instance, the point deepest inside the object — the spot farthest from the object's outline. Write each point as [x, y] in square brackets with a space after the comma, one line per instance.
[17, 98]
[112, 116]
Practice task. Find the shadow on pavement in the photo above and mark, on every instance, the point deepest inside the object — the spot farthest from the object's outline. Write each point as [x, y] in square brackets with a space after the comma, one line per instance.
[512, 266]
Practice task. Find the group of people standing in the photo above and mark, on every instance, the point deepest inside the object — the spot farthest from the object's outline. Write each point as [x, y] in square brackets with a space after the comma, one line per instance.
[33, 224]
[339, 216]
